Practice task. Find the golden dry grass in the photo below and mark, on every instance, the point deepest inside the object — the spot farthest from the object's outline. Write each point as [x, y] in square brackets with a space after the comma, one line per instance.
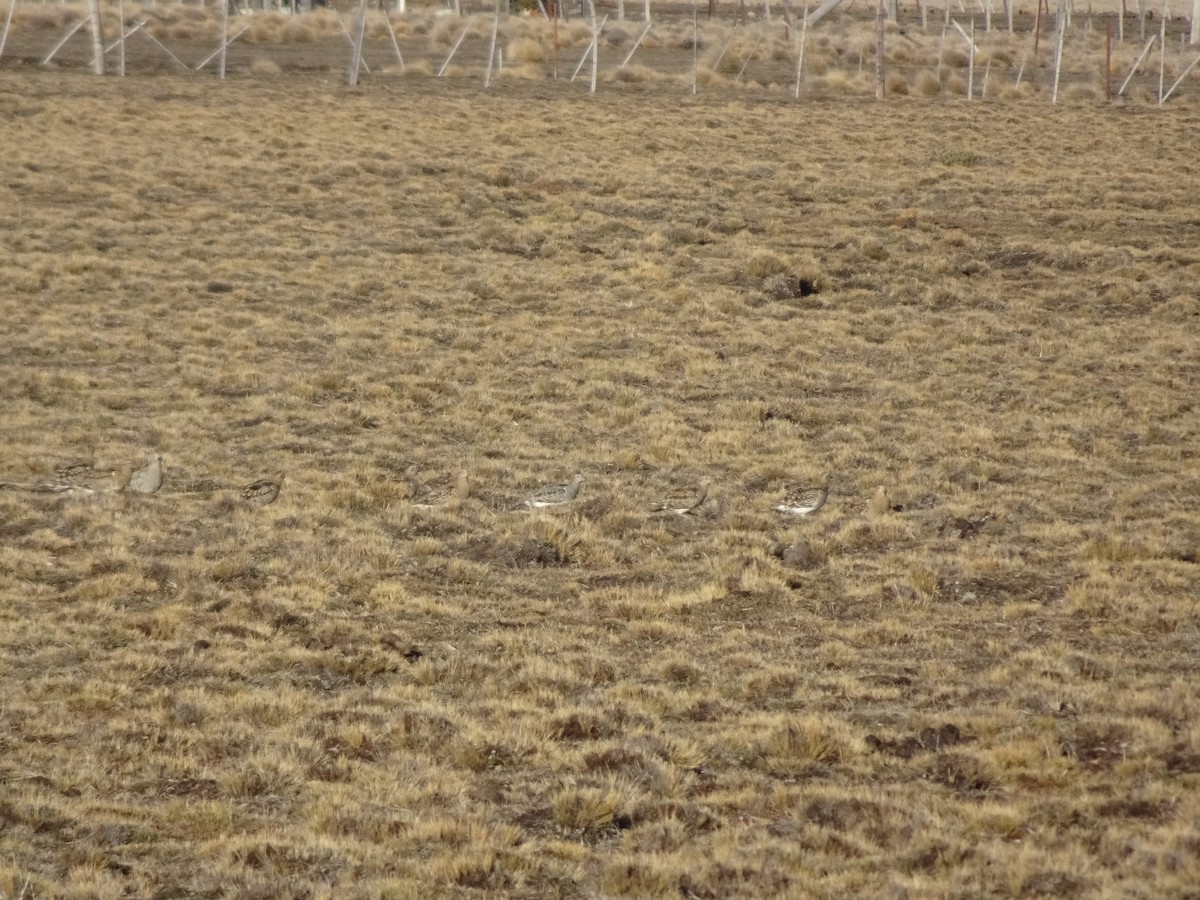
[980, 684]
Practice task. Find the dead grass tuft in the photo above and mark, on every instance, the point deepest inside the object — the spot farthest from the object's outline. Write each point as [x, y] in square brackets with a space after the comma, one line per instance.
[635, 74]
[800, 745]
[897, 84]
[764, 264]
[586, 809]
[928, 84]
[263, 66]
[526, 50]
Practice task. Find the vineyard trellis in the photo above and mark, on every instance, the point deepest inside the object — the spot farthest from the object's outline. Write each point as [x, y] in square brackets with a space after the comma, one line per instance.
[753, 45]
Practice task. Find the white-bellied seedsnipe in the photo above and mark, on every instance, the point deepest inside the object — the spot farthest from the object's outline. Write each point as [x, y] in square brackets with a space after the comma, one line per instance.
[555, 494]
[685, 503]
[149, 478]
[803, 501]
[263, 491]
[428, 496]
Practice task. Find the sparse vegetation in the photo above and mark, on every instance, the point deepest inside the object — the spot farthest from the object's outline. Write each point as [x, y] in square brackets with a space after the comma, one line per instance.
[980, 680]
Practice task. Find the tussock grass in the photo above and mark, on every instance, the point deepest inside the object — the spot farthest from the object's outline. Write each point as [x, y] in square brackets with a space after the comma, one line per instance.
[341, 693]
[265, 67]
[635, 74]
[526, 50]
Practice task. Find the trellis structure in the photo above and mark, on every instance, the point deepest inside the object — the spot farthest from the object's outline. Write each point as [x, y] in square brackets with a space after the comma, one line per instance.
[754, 27]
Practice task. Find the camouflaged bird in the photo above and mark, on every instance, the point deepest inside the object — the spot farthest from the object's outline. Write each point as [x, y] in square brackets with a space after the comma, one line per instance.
[149, 478]
[263, 491]
[684, 504]
[555, 494]
[428, 496]
[803, 501]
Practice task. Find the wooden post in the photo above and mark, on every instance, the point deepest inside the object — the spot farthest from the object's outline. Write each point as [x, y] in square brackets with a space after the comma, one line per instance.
[395, 45]
[591, 49]
[1162, 57]
[695, 50]
[1179, 80]
[1108, 62]
[1137, 62]
[1037, 29]
[360, 27]
[121, 26]
[97, 37]
[1194, 35]
[800, 57]
[642, 36]
[166, 49]
[749, 56]
[487, 77]
[204, 62]
[125, 35]
[224, 37]
[454, 49]
[66, 37]
[7, 21]
[595, 45]
[941, 53]
[1062, 36]
[725, 48]
[822, 11]
[971, 63]
[880, 16]
[556, 42]
[646, 12]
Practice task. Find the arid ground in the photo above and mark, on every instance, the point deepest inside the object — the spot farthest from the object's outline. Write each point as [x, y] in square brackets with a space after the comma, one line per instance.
[981, 681]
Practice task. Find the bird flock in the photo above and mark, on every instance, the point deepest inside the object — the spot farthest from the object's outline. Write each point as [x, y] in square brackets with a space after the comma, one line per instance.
[797, 500]
[145, 480]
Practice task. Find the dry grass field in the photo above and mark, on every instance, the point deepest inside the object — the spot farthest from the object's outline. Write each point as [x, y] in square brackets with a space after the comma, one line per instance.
[978, 682]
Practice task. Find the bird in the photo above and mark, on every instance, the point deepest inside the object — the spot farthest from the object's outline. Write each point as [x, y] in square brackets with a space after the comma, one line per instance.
[803, 501]
[799, 555]
[149, 478]
[555, 494]
[41, 487]
[427, 496]
[74, 469]
[263, 491]
[684, 503]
